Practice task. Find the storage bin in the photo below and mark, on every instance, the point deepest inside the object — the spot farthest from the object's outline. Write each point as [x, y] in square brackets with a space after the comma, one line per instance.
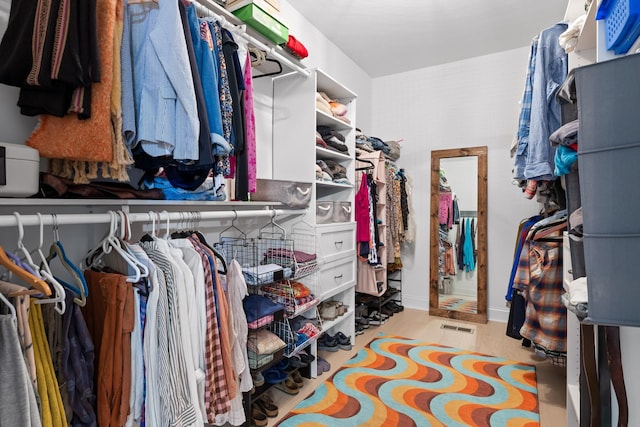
[19, 170]
[324, 212]
[609, 148]
[265, 5]
[612, 278]
[264, 23]
[622, 24]
[341, 212]
[292, 194]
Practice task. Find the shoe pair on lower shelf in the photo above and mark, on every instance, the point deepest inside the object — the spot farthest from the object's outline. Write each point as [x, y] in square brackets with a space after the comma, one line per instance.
[292, 383]
[261, 409]
[376, 318]
[338, 341]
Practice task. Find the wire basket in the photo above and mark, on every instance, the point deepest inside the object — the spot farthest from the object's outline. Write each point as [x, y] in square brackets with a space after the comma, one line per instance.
[296, 297]
[263, 260]
[298, 340]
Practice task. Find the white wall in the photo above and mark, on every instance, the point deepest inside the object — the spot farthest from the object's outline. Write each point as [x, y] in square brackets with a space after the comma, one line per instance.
[329, 58]
[461, 104]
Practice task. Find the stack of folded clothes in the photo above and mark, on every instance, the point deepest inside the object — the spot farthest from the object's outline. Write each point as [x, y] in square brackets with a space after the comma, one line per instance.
[300, 262]
[293, 296]
[261, 345]
[390, 149]
[267, 273]
[332, 171]
[332, 107]
[333, 140]
[259, 310]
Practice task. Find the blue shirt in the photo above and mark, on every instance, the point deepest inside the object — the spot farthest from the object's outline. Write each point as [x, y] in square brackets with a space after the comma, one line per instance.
[549, 74]
[525, 114]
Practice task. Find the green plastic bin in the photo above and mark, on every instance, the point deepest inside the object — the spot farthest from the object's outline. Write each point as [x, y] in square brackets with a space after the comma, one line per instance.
[264, 23]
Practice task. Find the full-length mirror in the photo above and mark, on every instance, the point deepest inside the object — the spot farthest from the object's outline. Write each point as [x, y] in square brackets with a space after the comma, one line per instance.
[458, 267]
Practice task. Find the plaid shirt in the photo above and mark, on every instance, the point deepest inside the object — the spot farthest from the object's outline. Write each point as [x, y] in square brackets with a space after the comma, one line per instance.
[216, 395]
[540, 277]
[525, 114]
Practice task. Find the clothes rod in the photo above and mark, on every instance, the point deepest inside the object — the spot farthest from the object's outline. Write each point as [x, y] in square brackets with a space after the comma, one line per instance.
[226, 19]
[105, 218]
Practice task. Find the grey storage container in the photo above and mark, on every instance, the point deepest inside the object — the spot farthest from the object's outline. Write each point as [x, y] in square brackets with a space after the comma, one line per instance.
[324, 212]
[609, 150]
[341, 211]
[292, 194]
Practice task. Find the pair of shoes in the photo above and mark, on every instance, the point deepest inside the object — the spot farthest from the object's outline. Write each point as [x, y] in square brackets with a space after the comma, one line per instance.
[359, 329]
[323, 366]
[387, 311]
[288, 386]
[265, 404]
[344, 342]
[296, 362]
[395, 305]
[297, 378]
[376, 318]
[274, 376]
[258, 379]
[258, 418]
[362, 321]
[327, 343]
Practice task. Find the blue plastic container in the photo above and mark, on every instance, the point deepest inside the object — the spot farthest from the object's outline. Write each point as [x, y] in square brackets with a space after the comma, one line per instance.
[622, 24]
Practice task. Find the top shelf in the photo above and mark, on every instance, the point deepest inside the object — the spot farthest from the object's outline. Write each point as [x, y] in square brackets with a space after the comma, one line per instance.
[130, 202]
[331, 87]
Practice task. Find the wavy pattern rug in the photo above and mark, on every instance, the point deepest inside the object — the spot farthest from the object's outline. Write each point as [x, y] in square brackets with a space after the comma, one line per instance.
[458, 304]
[396, 381]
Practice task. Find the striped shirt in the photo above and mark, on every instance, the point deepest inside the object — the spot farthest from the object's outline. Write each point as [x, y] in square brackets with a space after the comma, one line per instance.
[177, 406]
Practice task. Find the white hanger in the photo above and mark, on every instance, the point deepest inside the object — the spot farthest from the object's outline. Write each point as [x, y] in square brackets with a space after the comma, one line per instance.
[12, 309]
[111, 242]
[44, 269]
[125, 235]
[167, 235]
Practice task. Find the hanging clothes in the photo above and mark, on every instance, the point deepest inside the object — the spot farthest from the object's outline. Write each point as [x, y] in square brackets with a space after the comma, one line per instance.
[19, 406]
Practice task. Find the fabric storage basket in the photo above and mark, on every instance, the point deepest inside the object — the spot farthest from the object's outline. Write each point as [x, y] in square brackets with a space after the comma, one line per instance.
[292, 194]
[608, 100]
[341, 212]
[324, 212]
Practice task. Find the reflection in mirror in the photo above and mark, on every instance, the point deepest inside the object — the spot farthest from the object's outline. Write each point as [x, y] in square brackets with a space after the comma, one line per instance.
[458, 212]
[458, 234]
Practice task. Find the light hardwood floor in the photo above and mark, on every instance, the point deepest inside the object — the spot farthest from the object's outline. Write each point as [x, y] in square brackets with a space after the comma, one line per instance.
[489, 339]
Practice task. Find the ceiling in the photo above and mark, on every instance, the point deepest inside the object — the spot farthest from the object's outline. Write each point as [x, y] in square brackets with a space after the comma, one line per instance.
[388, 37]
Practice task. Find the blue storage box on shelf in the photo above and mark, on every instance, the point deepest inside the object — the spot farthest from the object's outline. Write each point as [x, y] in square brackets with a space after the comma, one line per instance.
[622, 23]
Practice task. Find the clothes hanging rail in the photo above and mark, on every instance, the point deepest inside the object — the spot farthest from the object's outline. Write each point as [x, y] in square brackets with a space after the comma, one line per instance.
[105, 218]
[233, 24]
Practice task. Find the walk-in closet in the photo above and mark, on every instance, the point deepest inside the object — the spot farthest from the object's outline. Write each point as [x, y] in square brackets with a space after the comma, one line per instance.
[289, 213]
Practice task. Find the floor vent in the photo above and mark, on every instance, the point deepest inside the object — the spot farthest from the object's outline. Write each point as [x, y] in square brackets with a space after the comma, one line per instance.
[457, 328]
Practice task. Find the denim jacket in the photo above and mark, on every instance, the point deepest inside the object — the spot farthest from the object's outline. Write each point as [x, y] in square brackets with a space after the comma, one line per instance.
[156, 73]
[550, 71]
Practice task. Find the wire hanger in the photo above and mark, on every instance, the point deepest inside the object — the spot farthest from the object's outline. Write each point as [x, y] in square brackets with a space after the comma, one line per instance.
[273, 225]
[364, 168]
[57, 251]
[233, 227]
[43, 269]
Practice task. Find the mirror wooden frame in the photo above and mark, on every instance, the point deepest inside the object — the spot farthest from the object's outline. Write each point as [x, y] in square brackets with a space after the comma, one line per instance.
[481, 264]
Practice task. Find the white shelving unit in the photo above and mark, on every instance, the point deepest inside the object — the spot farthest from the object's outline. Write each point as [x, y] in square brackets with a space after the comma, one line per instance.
[295, 120]
[591, 48]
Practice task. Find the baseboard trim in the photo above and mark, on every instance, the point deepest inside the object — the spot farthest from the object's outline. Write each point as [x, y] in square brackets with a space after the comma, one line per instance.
[415, 303]
[498, 315]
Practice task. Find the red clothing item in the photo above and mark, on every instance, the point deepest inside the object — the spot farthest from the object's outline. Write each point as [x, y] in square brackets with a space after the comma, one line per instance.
[362, 211]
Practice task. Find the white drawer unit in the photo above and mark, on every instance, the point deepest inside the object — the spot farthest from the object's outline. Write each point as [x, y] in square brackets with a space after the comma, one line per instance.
[336, 240]
[337, 276]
